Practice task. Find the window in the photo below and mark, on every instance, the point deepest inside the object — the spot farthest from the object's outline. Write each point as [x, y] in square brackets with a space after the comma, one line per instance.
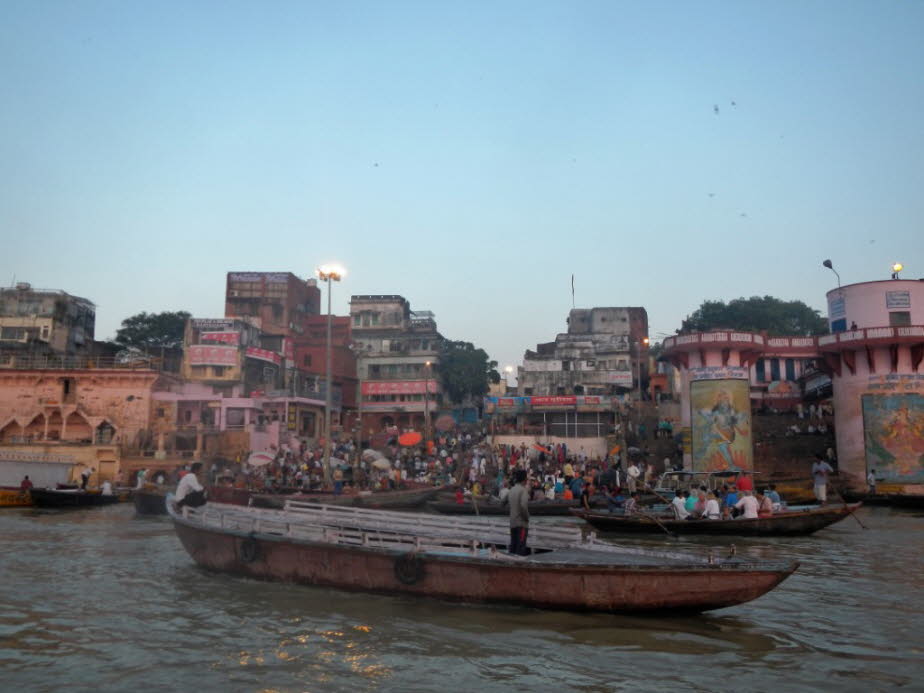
[761, 371]
[899, 318]
[774, 369]
[218, 371]
[790, 369]
[161, 412]
[306, 360]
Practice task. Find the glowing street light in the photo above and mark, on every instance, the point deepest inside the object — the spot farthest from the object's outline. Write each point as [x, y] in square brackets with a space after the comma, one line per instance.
[328, 273]
[896, 268]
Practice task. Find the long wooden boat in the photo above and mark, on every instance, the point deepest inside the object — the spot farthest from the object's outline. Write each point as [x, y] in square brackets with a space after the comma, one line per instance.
[898, 500]
[150, 501]
[796, 521]
[461, 559]
[53, 498]
[14, 497]
[402, 498]
[547, 507]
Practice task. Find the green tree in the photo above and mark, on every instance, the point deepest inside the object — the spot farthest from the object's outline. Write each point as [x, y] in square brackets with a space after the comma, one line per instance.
[757, 314]
[153, 330]
[465, 370]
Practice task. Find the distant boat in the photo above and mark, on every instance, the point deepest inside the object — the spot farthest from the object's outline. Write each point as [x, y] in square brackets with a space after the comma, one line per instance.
[791, 522]
[14, 497]
[461, 559]
[150, 501]
[54, 498]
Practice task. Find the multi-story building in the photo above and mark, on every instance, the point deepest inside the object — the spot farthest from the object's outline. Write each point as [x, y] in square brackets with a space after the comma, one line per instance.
[604, 352]
[397, 351]
[277, 303]
[41, 322]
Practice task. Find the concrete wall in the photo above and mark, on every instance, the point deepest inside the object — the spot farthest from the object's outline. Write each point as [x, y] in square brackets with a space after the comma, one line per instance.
[866, 305]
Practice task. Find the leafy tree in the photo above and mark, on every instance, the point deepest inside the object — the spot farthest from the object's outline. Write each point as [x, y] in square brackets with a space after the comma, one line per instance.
[757, 314]
[153, 330]
[465, 370]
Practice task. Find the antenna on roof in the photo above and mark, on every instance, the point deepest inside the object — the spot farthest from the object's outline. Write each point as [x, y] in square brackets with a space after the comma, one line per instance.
[572, 291]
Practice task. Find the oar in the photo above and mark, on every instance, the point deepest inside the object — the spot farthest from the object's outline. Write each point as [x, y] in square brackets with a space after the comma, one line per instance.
[852, 513]
[658, 522]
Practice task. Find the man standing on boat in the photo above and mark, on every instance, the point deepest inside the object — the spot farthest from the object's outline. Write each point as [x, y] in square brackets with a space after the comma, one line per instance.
[820, 471]
[519, 514]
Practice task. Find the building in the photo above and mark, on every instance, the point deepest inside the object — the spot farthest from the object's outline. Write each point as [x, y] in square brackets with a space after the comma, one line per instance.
[276, 303]
[604, 352]
[311, 356]
[43, 322]
[397, 351]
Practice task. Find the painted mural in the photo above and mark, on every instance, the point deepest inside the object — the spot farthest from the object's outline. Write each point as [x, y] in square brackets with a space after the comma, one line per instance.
[893, 428]
[721, 425]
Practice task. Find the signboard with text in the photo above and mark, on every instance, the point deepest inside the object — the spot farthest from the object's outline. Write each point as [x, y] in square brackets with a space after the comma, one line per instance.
[207, 355]
[407, 387]
[222, 337]
[264, 355]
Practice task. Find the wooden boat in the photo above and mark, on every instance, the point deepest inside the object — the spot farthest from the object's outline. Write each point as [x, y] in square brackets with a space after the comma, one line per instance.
[494, 507]
[150, 501]
[14, 497]
[401, 498]
[54, 498]
[461, 559]
[795, 521]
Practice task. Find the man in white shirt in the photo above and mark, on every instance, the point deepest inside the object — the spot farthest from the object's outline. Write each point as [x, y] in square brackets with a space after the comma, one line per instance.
[748, 505]
[189, 491]
[632, 475]
[678, 506]
[820, 471]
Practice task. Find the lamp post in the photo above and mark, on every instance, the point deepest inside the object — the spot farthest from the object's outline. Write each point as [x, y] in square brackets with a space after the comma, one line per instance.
[896, 268]
[427, 370]
[830, 266]
[638, 361]
[328, 273]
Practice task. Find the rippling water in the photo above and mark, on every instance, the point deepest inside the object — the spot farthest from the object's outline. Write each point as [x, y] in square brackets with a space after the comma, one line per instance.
[99, 599]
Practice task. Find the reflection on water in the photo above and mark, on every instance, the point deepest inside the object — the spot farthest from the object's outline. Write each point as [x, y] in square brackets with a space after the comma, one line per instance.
[101, 599]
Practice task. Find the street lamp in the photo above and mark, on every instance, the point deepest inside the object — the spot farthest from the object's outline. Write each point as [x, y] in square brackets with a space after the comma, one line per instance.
[427, 367]
[827, 263]
[328, 273]
[638, 359]
[896, 268]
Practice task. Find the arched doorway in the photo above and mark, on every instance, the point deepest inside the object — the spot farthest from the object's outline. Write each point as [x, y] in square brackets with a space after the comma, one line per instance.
[55, 424]
[76, 428]
[35, 429]
[105, 433]
[11, 432]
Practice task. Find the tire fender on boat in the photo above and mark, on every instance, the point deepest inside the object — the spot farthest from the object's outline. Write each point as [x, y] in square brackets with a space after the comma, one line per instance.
[249, 550]
[409, 568]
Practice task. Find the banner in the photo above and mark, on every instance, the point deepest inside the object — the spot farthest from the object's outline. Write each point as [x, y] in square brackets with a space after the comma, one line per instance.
[264, 355]
[216, 324]
[719, 373]
[721, 425]
[223, 337]
[201, 355]
[394, 387]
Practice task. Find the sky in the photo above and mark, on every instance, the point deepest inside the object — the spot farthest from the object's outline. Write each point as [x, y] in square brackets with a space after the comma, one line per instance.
[470, 156]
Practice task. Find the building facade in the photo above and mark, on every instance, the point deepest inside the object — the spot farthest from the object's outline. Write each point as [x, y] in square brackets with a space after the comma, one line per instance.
[604, 352]
[397, 353]
[41, 322]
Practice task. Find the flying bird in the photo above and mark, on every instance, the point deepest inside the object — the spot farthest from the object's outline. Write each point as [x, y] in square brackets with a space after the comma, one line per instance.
[711, 194]
[715, 108]
[733, 103]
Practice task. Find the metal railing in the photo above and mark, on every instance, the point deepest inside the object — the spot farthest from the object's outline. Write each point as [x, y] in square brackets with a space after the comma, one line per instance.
[17, 361]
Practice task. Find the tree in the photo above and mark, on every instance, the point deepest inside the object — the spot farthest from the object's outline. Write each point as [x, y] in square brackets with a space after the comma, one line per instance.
[465, 371]
[757, 314]
[146, 330]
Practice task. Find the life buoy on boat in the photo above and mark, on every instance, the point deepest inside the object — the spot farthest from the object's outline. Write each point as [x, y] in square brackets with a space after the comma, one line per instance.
[249, 550]
[409, 568]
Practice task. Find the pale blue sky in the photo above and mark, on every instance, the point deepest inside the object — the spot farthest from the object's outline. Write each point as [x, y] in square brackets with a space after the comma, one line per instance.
[469, 156]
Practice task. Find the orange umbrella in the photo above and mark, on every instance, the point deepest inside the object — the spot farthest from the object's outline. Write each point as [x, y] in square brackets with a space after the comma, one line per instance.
[540, 448]
[409, 439]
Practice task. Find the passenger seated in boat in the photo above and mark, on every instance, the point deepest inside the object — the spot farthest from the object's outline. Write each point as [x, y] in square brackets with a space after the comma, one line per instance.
[189, 491]
[748, 506]
[712, 511]
[731, 500]
[460, 495]
[614, 499]
[631, 506]
[774, 497]
[679, 507]
[765, 506]
[700, 508]
[689, 502]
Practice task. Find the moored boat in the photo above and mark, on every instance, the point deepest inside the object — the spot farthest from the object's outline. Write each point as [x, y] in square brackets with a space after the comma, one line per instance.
[461, 559]
[55, 498]
[401, 498]
[150, 501]
[795, 521]
[14, 497]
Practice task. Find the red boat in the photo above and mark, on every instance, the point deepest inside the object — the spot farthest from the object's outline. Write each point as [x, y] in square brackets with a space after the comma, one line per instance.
[461, 559]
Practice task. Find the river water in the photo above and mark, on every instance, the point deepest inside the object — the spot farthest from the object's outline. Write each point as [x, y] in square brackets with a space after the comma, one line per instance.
[102, 600]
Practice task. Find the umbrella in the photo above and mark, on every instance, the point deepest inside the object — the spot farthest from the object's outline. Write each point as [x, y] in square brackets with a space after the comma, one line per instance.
[338, 461]
[370, 454]
[259, 459]
[444, 423]
[381, 463]
[409, 439]
[540, 448]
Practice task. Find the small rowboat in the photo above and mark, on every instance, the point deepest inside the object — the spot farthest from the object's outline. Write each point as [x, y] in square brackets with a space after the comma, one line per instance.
[54, 498]
[797, 521]
[150, 501]
[14, 497]
[461, 559]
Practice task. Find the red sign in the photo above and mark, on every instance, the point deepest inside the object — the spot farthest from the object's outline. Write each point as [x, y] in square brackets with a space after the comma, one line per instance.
[506, 402]
[409, 387]
[264, 355]
[288, 350]
[202, 355]
[553, 401]
[592, 400]
[223, 337]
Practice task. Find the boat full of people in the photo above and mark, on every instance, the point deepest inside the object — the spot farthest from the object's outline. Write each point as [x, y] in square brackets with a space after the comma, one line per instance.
[462, 559]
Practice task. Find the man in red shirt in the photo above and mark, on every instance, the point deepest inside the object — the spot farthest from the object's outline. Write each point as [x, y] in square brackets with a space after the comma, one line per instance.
[26, 484]
[744, 483]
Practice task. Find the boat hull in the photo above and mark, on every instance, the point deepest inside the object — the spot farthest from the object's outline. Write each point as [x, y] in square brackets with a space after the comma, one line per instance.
[565, 586]
[797, 523]
[150, 502]
[485, 508]
[48, 498]
[11, 497]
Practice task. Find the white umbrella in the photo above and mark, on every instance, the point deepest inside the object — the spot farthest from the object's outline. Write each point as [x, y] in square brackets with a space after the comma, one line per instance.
[371, 454]
[381, 463]
[260, 459]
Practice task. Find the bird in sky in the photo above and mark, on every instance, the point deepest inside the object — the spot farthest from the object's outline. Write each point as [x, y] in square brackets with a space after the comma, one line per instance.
[711, 194]
[715, 108]
[733, 103]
